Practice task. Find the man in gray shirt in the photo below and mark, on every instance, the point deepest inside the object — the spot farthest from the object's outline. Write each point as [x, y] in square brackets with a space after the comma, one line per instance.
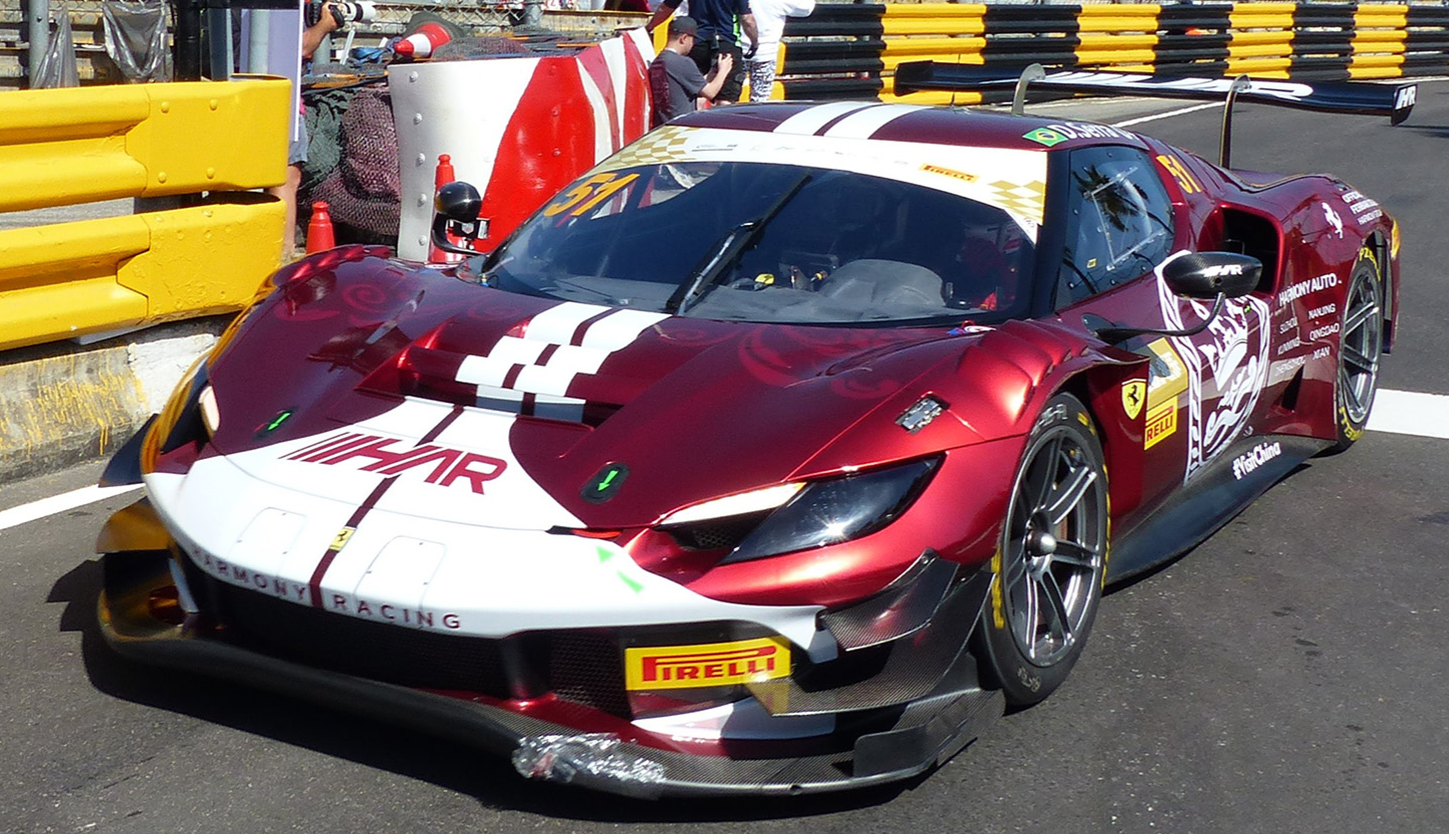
[675, 83]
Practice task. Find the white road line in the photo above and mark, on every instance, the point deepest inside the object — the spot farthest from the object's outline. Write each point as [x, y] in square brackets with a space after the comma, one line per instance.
[1169, 114]
[1407, 412]
[55, 504]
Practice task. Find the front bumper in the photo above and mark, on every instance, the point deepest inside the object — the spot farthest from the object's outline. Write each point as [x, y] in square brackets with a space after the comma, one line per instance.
[925, 733]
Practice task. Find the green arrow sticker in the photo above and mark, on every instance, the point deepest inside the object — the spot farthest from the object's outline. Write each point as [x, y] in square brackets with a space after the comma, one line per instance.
[606, 483]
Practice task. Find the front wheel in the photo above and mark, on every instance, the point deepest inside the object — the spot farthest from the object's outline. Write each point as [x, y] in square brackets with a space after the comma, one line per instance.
[1361, 340]
[1051, 559]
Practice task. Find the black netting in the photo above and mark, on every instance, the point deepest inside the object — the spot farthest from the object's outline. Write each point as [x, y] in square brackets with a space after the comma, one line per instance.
[352, 163]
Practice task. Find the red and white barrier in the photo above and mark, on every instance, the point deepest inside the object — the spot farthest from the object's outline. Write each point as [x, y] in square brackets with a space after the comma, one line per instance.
[518, 127]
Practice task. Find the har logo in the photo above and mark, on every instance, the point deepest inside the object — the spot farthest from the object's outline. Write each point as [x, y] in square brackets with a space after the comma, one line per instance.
[1406, 97]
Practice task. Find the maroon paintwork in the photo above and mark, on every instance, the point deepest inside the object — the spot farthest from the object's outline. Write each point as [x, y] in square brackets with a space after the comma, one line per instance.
[701, 409]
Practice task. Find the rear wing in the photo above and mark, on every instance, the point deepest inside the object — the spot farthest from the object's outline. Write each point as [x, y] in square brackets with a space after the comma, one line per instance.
[1394, 101]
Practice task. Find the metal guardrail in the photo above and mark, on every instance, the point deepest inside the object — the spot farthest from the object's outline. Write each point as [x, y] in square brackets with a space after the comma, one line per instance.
[79, 145]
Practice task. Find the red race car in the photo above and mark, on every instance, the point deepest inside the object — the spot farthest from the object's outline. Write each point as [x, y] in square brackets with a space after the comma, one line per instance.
[776, 454]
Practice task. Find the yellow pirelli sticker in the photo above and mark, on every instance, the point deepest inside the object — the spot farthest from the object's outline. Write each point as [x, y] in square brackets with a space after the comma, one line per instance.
[1161, 423]
[706, 664]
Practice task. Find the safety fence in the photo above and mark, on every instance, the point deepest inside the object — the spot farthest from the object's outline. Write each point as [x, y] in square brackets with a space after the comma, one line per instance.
[205, 252]
[852, 51]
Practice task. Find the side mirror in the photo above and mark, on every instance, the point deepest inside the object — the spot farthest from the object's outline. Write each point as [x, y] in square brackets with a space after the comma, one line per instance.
[455, 219]
[1210, 274]
[1215, 275]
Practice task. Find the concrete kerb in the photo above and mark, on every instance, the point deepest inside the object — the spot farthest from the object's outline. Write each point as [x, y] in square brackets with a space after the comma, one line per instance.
[65, 403]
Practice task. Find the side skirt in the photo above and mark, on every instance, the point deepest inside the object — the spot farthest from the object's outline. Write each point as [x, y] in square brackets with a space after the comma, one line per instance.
[1244, 471]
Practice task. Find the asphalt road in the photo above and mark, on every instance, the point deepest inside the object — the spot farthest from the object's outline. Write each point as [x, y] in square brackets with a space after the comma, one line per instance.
[1288, 675]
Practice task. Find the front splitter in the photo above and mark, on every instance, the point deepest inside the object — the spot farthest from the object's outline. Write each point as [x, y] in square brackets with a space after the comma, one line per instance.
[928, 731]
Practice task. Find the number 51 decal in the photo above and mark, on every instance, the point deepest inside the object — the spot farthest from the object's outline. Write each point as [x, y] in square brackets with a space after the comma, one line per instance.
[588, 194]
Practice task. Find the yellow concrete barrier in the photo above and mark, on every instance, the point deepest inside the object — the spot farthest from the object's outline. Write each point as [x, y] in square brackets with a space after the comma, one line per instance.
[69, 146]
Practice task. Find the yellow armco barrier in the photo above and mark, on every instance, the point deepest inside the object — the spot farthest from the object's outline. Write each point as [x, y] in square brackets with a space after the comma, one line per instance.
[69, 146]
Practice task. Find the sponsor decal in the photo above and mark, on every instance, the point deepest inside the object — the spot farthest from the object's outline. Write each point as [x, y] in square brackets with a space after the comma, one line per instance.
[948, 172]
[443, 466]
[1285, 369]
[1134, 395]
[1045, 136]
[706, 664]
[1227, 366]
[1244, 464]
[1185, 180]
[1325, 310]
[1365, 210]
[1161, 423]
[1285, 90]
[1293, 292]
[1406, 97]
[1319, 332]
[1167, 379]
[342, 603]
[1333, 219]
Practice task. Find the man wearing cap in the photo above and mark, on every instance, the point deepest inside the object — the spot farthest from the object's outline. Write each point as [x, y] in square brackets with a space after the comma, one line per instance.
[675, 84]
[719, 25]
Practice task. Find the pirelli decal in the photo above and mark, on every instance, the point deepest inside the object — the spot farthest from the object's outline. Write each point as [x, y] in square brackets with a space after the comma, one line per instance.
[1167, 381]
[706, 664]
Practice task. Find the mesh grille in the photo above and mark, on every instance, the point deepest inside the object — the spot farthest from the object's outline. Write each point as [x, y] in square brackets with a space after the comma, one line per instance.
[407, 656]
[724, 534]
[584, 667]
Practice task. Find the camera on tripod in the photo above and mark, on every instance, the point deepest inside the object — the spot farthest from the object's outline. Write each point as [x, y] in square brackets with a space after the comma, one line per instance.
[345, 12]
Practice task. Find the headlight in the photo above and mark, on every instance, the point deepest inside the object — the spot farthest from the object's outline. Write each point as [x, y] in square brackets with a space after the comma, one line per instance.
[830, 512]
[181, 421]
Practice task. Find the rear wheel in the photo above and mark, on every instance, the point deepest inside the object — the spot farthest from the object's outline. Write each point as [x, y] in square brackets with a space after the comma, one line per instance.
[1361, 339]
[1051, 559]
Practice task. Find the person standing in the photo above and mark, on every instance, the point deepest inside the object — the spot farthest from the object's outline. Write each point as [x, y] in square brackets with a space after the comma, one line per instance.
[770, 22]
[720, 24]
[676, 85]
[312, 36]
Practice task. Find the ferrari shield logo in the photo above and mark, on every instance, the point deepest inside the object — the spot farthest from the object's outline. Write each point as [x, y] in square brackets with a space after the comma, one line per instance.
[1134, 394]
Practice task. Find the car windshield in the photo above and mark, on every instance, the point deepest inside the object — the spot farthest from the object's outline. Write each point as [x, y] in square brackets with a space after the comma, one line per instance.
[763, 242]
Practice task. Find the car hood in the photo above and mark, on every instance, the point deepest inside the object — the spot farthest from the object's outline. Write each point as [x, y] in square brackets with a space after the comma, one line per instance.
[524, 412]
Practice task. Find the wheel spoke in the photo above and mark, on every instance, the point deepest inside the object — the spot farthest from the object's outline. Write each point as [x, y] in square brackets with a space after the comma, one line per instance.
[1358, 316]
[1075, 555]
[1043, 470]
[1030, 615]
[1068, 494]
[1057, 606]
[1015, 571]
[1357, 358]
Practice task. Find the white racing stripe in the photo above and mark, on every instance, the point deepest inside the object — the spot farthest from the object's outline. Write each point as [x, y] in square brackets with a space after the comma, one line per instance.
[55, 504]
[806, 122]
[1408, 412]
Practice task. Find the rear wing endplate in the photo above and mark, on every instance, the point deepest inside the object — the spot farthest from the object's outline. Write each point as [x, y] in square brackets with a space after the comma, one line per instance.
[1394, 101]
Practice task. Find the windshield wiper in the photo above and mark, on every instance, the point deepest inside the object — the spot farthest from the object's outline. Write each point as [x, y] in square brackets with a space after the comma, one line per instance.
[729, 248]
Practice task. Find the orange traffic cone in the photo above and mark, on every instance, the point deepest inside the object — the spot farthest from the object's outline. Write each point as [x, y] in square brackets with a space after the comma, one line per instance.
[422, 42]
[441, 177]
[319, 229]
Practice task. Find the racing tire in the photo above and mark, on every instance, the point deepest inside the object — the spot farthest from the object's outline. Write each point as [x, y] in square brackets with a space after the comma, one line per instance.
[1361, 341]
[1051, 560]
